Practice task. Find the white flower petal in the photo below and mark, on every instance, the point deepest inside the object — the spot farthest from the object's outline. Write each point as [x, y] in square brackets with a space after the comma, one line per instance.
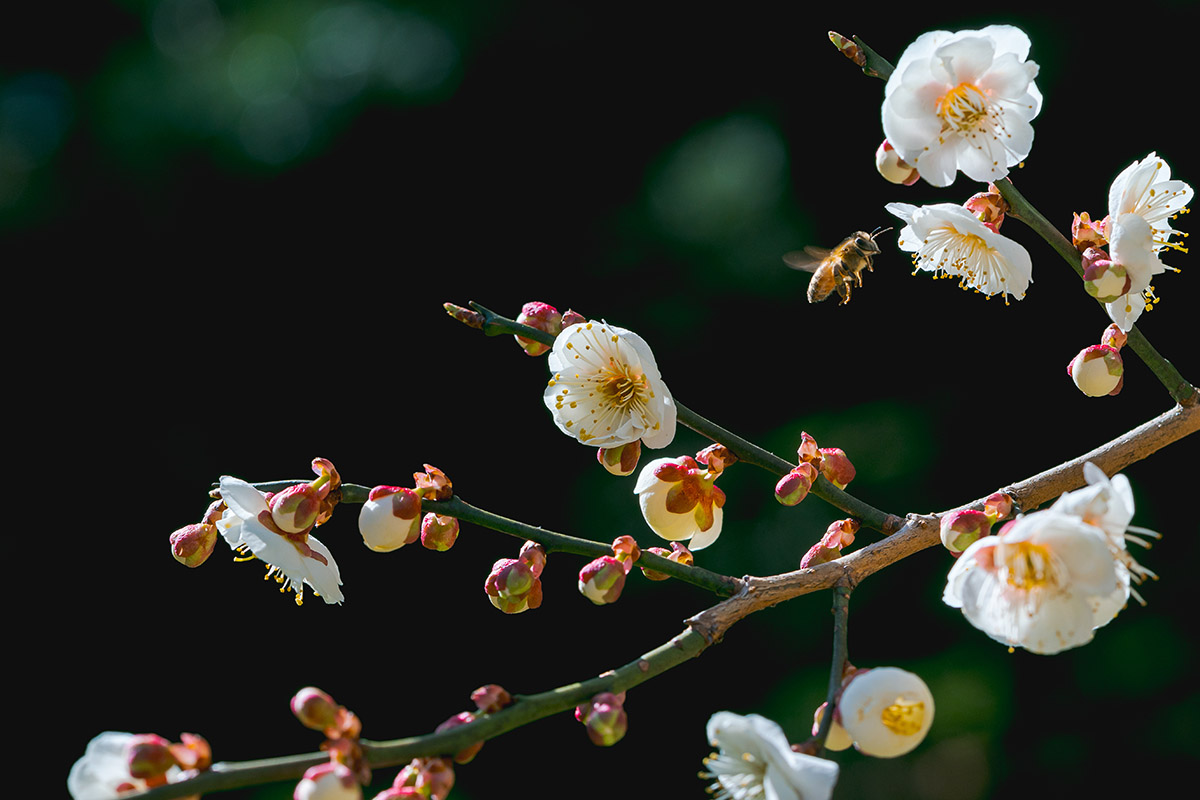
[242, 498]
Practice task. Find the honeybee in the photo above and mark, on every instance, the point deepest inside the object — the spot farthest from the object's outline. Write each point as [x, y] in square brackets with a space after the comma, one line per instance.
[839, 268]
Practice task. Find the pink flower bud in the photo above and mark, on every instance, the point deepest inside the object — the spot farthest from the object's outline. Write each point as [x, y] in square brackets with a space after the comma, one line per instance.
[466, 316]
[491, 698]
[716, 457]
[295, 509]
[988, 207]
[1114, 337]
[838, 535]
[836, 467]
[605, 719]
[543, 317]
[626, 550]
[961, 529]
[192, 545]
[1103, 279]
[433, 484]
[1097, 370]
[572, 318]
[192, 752]
[621, 460]
[315, 709]
[892, 167]
[390, 519]
[997, 506]
[678, 553]
[469, 752]
[849, 49]
[602, 580]
[794, 487]
[808, 451]
[431, 778]
[1085, 233]
[534, 556]
[149, 757]
[330, 781]
[512, 586]
[438, 532]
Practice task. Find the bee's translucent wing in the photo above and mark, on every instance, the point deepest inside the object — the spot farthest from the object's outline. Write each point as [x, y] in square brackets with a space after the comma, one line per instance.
[807, 259]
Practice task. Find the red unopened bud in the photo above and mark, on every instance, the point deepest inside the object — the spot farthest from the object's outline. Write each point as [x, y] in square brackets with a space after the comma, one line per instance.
[295, 509]
[1085, 233]
[149, 757]
[470, 751]
[794, 487]
[491, 698]
[192, 545]
[430, 778]
[512, 587]
[838, 535]
[1097, 370]
[678, 553]
[961, 529]
[602, 580]
[433, 484]
[836, 467]
[534, 556]
[808, 451]
[626, 550]
[622, 460]
[438, 532]
[572, 318]
[988, 207]
[1114, 337]
[604, 717]
[997, 506]
[545, 318]
[716, 457]
[315, 709]
[466, 316]
[192, 752]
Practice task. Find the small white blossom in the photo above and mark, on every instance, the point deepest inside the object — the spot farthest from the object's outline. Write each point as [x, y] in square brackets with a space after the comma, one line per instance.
[332, 781]
[886, 711]
[963, 101]
[1141, 202]
[294, 559]
[679, 501]
[102, 773]
[946, 239]
[606, 390]
[1043, 583]
[755, 760]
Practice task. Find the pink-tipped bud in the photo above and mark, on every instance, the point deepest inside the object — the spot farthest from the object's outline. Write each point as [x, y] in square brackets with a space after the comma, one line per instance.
[716, 457]
[604, 717]
[192, 752]
[315, 709]
[1114, 337]
[491, 698]
[961, 529]
[1085, 233]
[626, 550]
[193, 544]
[433, 484]
[570, 318]
[836, 466]
[602, 580]
[794, 487]
[470, 751]
[988, 207]
[678, 553]
[295, 509]
[331, 781]
[893, 168]
[997, 506]
[848, 48]
[512, 587]
[438, 532]
[149, 757]
[534, 557]
[1097, 370]
[839, 534]
[466, 316]
[622, 460]
[545, 318]
[808, 451]
[390, 519]
[1103, 279]
[430, 778]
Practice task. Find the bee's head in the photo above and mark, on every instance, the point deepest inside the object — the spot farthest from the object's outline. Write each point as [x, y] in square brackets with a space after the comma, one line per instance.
[866, 241]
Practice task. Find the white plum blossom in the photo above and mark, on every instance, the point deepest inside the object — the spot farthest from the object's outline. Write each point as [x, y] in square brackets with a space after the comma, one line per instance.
[102, 773]
[1141, 202]
[947, 239]
[1043, 583]
[293, 559]
[679, 501]
[887, 711]
[606, 390]
[755, 761]
[963, 101]
[331, 781]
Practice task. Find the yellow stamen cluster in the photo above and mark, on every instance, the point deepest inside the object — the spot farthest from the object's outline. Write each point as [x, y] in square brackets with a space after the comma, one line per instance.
[903, 717]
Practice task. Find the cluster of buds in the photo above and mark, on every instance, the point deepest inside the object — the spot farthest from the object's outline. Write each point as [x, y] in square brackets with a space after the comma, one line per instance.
[893, 168]
[678, 553]
[514, 584]
[812, 461]
[1098, 370]
[116, 763]
[347, 770]
[604, 718]
[883, 712]
[602, 579]
[838, 535]
[546, 318]
[988, 207]
[679, 501]
[421, 779]
[391, 516]
[488, 700]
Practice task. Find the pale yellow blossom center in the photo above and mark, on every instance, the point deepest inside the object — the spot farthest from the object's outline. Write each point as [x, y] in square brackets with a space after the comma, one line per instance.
[1027, 565]
[903, 717]
[962, 107]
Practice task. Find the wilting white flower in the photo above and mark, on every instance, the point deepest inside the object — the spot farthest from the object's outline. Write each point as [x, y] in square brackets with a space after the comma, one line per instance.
[294, 559]
[963, 101]
[756, 761]
[886, 711]
[680, 502]
[946, 239]
[1043, 583]
[1141, 202]
[606, 390]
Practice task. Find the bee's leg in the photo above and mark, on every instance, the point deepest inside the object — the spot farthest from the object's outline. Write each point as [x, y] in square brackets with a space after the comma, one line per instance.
[843, 289]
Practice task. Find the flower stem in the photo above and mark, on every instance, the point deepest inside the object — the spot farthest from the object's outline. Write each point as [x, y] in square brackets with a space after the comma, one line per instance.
[1180, 389]
[837, 669]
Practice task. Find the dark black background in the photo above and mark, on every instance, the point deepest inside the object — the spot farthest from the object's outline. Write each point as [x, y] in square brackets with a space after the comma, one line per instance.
[180, 311]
